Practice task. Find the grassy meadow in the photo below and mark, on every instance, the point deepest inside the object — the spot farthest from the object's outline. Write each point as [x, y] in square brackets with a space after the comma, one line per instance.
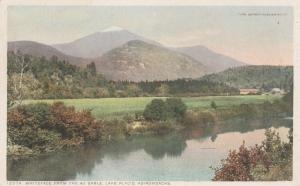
[110, 108]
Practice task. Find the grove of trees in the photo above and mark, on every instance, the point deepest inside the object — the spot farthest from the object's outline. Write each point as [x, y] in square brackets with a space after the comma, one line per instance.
[160, 110]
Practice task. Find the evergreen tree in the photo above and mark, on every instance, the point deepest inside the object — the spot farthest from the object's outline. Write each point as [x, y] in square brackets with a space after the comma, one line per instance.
[213, 105]
[92, 68]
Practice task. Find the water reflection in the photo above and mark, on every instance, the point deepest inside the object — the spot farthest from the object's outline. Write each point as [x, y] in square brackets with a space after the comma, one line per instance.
[83, 161]
[59, 166]
[171, 145]
[241, 125]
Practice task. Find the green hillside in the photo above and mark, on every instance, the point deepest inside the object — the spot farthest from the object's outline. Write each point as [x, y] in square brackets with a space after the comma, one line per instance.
[262, 77]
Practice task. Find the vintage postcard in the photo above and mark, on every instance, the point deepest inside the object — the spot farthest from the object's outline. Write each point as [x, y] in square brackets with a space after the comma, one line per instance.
[149, 93]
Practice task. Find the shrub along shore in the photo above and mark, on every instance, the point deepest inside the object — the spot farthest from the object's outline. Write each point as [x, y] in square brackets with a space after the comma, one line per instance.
[39, 128]
[272, 160]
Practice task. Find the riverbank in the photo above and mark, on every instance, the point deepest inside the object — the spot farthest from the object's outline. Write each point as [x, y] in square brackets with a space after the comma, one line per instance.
[35, 129]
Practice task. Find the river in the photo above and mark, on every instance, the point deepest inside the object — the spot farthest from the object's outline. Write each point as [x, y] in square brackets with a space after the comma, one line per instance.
[178, 156]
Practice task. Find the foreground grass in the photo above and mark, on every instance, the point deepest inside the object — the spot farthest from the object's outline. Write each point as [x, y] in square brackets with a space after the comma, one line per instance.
[111, 108]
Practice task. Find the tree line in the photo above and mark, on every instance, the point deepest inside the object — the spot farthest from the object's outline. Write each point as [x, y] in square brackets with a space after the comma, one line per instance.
[32, 77]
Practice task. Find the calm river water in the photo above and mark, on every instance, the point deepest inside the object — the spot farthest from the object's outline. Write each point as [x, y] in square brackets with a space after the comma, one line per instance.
[181, 156]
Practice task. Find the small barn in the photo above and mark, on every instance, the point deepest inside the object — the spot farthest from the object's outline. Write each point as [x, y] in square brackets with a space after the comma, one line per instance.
[277, 91]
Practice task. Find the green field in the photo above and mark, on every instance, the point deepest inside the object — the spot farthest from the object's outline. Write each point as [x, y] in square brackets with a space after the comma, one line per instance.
[110, 108]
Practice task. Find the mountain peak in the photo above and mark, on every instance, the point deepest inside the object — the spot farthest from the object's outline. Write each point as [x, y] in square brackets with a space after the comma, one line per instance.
[112, 29]
[96, 44]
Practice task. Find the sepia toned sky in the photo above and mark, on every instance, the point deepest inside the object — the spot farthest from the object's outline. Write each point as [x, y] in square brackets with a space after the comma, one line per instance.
[255, 35]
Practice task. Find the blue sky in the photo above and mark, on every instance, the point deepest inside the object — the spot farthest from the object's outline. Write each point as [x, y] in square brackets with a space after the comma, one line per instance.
[255, 35]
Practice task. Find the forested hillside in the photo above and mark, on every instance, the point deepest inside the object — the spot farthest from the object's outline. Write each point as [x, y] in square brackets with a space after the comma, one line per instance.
[261, 77]
[40, 78]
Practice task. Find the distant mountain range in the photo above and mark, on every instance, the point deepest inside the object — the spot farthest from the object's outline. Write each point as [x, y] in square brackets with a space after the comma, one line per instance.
[122, 55]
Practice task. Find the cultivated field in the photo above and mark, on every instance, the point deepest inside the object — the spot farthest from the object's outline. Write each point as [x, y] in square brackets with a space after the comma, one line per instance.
[110, 108]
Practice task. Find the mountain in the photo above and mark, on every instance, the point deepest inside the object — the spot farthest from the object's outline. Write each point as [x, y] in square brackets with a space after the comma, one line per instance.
[122, 55]
[138, 60]
[94, 45]
[215, 62]
[258, 76]
[38, 50]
